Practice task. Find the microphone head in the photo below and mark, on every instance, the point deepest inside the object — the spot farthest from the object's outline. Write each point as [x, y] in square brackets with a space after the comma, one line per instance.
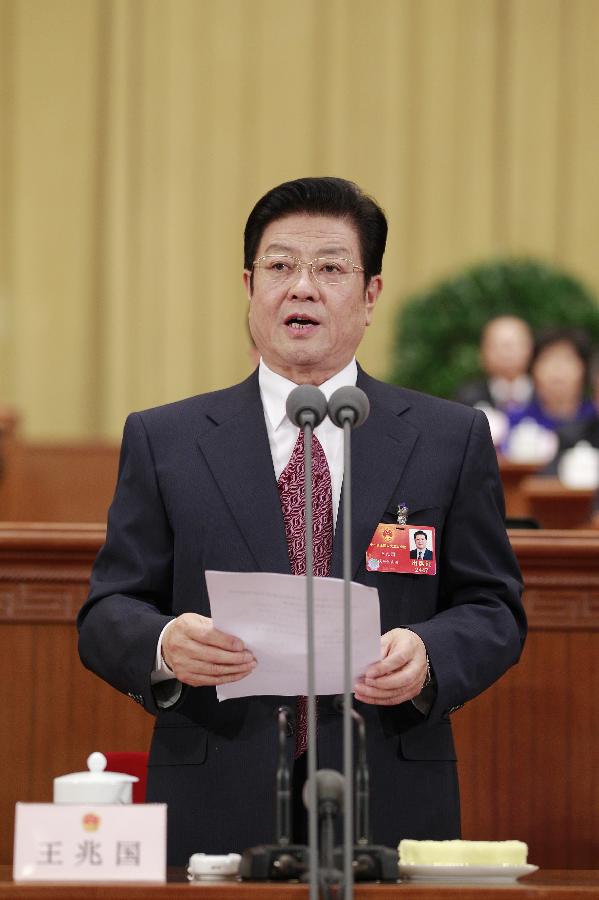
[329, 787]
[349, 404]
[306, 405]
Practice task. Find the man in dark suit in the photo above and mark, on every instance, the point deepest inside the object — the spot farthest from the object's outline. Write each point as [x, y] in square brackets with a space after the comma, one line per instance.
[198, 489]
[420, 551]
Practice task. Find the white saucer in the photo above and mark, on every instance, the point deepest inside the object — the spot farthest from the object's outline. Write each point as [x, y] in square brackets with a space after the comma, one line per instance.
[466, 874]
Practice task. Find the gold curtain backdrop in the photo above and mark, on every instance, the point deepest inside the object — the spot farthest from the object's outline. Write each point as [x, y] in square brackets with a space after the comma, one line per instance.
[135, 135]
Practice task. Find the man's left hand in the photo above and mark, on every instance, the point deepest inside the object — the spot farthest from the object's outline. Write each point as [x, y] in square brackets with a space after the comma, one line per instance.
[401, 673]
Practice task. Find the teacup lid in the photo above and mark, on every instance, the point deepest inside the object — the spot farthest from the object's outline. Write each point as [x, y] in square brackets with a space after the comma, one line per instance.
[96, 763]
[579, 466]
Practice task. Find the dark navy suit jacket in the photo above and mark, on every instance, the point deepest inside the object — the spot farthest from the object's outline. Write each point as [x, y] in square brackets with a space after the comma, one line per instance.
[196, 490]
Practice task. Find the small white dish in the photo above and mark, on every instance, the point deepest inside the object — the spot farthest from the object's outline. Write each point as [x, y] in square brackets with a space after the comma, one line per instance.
[466, 874]
[211, 867]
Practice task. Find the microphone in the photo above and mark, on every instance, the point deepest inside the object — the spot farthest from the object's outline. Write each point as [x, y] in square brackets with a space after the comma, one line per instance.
[348, 408]
[349, 404]
[306, 405]
[371, 862]
[281, 861]
[283, 783]
[362, 778]
[330, 790]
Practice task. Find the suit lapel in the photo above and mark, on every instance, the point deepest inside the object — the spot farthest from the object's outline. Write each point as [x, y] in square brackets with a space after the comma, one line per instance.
[235, 445]
[234, 442]
[381, 448]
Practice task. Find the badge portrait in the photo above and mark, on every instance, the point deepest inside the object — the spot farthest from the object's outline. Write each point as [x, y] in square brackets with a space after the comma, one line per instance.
[421, 543]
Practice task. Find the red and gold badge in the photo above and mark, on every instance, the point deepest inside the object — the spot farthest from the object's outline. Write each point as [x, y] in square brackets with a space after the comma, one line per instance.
[404, 549]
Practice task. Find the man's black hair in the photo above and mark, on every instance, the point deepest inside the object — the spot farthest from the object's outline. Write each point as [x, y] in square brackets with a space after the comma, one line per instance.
[423, 533]
[321, 197]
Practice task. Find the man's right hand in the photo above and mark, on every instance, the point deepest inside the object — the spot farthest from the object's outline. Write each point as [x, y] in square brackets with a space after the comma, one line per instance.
[201, 655]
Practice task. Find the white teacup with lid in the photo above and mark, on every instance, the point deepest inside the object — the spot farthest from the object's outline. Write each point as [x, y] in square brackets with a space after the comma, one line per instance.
[95, 785]
[529, 442]
[579, 467]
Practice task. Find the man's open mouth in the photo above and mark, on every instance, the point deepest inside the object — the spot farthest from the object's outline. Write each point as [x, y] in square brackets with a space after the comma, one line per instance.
[300, 322]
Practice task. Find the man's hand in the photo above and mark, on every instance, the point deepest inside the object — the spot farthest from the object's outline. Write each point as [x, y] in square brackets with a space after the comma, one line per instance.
[401, 673]
[201, 655]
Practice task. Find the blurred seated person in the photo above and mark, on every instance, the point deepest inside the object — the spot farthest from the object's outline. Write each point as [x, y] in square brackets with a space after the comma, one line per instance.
[586, 429]
[559, 369]
[505, 350]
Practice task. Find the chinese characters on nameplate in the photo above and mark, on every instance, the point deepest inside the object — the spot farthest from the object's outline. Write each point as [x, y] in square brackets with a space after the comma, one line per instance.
[79, 842]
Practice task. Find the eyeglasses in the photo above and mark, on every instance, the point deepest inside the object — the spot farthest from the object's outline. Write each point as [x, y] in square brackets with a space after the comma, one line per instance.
[280, 268]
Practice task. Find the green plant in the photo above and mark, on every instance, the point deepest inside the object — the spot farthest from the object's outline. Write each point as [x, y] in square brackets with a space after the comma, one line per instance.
[438, 330]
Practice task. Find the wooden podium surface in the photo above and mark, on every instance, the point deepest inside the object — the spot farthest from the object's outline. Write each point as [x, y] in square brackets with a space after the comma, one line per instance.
[512, 476]
[542, 885]
[556, 506]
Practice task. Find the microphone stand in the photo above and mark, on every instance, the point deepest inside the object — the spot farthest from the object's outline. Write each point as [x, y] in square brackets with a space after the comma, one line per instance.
[372, 862]
[307, 406]
[283, 860]
[312, 794]
[283, 782]
[348, 802]
[348, 408]
[362, 786]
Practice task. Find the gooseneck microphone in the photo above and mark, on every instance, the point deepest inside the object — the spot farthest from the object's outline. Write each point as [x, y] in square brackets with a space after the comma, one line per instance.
[306, 407]
[361, 778]
[362, 828]
[329, 791]
[371, 862]
[348, 408]
[282, 860]
[283, 783]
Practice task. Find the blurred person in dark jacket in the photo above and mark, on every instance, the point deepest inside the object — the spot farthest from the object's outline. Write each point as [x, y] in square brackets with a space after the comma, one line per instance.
[505, 350]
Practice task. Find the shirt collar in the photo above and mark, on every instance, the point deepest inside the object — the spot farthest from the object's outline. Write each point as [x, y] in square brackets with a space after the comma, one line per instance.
[274, 389]
[518, 391]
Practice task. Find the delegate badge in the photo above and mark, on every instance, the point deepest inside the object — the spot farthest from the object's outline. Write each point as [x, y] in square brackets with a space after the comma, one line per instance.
[406, 549]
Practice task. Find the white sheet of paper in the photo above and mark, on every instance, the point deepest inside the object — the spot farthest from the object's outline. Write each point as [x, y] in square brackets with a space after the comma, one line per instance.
[268, 612]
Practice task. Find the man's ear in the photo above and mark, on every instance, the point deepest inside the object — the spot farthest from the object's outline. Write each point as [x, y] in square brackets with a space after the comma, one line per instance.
[373, 291]
[247, 282]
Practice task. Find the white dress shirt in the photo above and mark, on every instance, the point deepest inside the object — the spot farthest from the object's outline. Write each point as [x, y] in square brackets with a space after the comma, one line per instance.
[283, 434]
[515, 393]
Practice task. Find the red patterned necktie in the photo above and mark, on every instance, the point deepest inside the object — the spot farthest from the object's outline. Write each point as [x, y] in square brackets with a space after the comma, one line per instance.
[292, 492]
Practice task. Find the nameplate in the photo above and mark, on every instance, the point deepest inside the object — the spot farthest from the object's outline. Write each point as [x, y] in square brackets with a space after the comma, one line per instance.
[81, 842]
